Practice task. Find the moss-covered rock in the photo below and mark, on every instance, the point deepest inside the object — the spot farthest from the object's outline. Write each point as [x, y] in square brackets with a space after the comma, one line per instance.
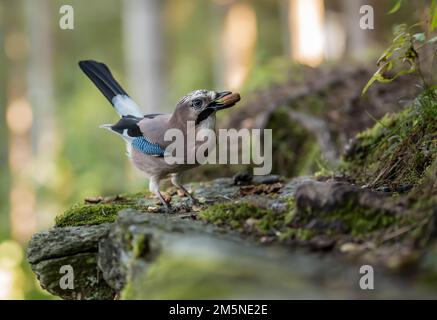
[335, 207]
[396, 152]
[194, 262]
[296, 148]
[103, 210]
[89, 214]
[249, 218]
[332, 211]
[77, 247]
[330, 95]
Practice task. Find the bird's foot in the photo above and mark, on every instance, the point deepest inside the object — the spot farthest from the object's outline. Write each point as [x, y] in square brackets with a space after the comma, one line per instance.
[166, 207]
[193, 201]
[165, 203]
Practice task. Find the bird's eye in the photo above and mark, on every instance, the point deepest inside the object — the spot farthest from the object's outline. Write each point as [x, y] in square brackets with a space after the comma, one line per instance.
[197, 103]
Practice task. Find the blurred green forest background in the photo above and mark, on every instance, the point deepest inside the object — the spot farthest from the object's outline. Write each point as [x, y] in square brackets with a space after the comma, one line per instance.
[52, 153]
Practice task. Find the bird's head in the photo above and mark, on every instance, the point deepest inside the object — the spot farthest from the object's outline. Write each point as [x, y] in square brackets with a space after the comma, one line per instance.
[198, 105]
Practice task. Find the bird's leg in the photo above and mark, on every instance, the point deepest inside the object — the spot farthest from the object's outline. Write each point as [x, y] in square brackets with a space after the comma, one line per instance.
[154, 187]
[176, 182]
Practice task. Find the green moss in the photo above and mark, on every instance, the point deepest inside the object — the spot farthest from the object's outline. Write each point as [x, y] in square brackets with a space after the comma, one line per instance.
[237, 215]
[296, 233]
[233, 215]
[324, 169]
[104, 211]
[174, 277]
[360, 221]
[296, 149]
[90, 214]
[308, 162]
[129, 197]
[212, 275]
[348, 218]
[288, 224]
[398, 149]
[140, 245]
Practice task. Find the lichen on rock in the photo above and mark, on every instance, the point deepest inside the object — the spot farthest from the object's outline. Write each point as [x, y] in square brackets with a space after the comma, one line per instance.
[70, 246]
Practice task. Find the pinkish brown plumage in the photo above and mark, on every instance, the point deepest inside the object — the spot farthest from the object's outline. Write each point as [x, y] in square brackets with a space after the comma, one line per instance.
[144, 134]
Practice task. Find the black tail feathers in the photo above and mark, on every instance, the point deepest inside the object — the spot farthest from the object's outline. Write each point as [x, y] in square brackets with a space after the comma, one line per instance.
[101, 76]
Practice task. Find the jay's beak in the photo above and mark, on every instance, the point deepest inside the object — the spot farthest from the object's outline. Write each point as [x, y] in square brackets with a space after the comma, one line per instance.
[225, 99]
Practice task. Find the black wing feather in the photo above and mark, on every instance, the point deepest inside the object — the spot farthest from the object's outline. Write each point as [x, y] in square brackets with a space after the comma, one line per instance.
[130, 123]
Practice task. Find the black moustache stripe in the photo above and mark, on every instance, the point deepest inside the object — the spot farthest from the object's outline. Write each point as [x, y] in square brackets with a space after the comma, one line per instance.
[204, 114]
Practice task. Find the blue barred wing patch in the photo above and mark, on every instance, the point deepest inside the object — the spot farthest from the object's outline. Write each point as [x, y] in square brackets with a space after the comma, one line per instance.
[146, 147]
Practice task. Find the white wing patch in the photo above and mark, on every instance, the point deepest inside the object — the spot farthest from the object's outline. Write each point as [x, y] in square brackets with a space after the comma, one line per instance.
[126, 106]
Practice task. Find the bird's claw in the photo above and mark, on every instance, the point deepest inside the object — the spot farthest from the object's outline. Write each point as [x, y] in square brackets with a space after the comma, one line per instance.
[167, 208]
[193, 201]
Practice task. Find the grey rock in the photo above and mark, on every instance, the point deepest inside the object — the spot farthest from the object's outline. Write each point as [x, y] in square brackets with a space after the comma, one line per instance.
[173, 256]
[75, 246]
[267, 179]
[289, 188]
[59, 242]
[328, 196]
[88, 281]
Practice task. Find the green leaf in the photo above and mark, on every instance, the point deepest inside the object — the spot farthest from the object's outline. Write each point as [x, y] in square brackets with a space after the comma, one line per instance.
[433, 13]
[396, 7]
[377, 76]
[368, 85]
[419, 36]
[400, 58]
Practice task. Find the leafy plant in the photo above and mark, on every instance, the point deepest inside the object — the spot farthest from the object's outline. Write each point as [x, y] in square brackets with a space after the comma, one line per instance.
[433, 12]
[401, 57]
[395, 7]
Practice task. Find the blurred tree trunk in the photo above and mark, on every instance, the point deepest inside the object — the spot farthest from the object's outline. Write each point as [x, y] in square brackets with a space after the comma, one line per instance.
[143, 52]
[356, 38]
[40, 77]
[217, 13]
[284, 8]
[41, 95]
[238, 42]
[4, 165]
[306, 28]
[18, 158]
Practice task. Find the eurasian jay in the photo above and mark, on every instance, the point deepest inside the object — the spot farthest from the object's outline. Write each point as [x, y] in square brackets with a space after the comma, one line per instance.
[144, 134]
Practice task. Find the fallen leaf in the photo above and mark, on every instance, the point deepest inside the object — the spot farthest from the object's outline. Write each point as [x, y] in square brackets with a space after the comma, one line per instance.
[266, 239]
[350, 247]
[152, 209]
[93, 199]
[181, 193]
[196, 208]
[260, 189]
[251, 222]
[113, 199]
